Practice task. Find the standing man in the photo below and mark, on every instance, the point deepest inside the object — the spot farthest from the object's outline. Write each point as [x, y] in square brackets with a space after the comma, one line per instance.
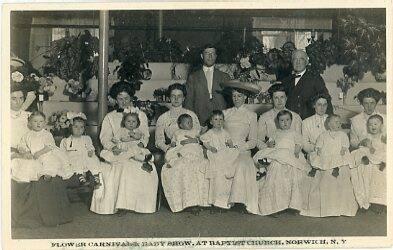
[204, 87]
[303, 85]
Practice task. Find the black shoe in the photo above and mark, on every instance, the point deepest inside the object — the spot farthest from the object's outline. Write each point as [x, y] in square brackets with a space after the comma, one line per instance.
[382, 166]
[147, 167]
[264, 162]
[312, 172]
[148, 157]
[260, 175]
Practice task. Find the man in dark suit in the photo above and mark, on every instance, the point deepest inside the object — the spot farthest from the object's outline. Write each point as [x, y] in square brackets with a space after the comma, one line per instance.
[304, 85]
[204, 92]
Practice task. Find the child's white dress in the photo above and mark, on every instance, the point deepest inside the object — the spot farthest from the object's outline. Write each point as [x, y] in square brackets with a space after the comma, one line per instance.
[283, 186]
[129, 149]
[77, 149]
[332, 196]
[190, 151]
[52, 163]
[369, 180]
[221, 165]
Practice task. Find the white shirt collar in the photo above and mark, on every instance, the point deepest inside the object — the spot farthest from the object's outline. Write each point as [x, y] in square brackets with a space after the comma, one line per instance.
[205, 68]
[301, 73]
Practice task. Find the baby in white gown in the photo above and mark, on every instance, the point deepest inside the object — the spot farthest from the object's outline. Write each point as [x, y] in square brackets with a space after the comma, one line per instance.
[220, 149]
[128, 139]
[41, 144]
[80, 150]
[185, 132]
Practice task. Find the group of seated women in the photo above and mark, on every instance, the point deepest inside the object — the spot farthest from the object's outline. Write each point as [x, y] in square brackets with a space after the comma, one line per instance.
[311, 166]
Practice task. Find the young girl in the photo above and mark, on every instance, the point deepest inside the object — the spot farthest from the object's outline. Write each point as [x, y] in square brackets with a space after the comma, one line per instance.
[41, 144]
[185, 132]
[286, 169]
[221, 154]
[80, 150]
[369, 174]
[128, 140]
[333, 159]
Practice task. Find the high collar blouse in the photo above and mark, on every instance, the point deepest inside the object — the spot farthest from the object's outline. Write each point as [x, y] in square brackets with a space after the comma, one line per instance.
[241, 125]
[18, 126]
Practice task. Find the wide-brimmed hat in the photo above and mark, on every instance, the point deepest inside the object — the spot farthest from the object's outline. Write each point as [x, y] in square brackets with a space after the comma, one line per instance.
[237, 84]
[17, 62]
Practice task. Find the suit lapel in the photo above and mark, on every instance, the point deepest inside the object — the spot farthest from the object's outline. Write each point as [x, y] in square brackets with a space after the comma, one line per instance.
[203, 83]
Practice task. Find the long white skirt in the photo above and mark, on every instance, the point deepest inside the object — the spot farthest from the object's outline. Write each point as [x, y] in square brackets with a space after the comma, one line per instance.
[244, 188]
[184, 182]
[126, 186]
[282, 188]
[329, 195]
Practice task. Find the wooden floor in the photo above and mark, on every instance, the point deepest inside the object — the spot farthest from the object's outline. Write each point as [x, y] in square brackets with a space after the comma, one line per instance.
[231, 224]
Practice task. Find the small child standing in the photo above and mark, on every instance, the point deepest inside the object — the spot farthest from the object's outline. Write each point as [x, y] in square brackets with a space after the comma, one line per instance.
[184, 133]
[128, 139]
[286, 169]
[369, 174]
[335, 196]
[221, 154]
[80, 150]
[41, 144]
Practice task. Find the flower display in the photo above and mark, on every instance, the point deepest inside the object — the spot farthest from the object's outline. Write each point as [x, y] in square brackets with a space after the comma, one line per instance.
[17, 76]
[59, 123]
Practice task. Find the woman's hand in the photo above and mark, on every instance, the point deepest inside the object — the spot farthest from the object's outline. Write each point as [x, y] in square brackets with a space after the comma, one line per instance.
[135, 135]
[342, 151]
[365, 143]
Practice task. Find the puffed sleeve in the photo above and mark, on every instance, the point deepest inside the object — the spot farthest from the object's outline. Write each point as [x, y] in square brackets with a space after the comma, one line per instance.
[353, 135]
[252, 136]
[49, 140]
[308, 146]
[89, 143]
[160, 133]
[106, 134]
[144, 128]
[261, 133]
[195, 122]
[190, 98]
[297, 123]
[344, 140]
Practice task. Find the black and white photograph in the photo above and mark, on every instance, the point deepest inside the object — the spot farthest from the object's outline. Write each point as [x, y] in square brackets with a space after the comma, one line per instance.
[204, 126]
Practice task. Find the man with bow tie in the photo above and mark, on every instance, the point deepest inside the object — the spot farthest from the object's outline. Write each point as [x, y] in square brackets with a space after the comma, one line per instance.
[303, 85]
[203, 87]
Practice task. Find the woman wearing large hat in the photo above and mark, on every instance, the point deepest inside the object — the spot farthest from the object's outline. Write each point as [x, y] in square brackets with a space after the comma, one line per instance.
[241, 124]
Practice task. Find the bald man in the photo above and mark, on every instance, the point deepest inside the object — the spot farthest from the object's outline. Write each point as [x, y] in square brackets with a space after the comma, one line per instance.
[302, 86]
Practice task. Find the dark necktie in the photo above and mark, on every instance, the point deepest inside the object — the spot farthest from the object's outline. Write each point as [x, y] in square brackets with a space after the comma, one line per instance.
[119, 110]
[297, 76]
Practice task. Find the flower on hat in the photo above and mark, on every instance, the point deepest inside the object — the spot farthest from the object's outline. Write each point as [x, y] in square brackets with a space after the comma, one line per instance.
[245, 62]
[17, 76]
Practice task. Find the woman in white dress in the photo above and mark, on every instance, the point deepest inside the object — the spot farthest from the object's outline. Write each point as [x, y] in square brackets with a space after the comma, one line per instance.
[241, 124]
[360, 138]
[33, 202]
[283, 186]
[126, 186]
[184, 182]
[327, 195]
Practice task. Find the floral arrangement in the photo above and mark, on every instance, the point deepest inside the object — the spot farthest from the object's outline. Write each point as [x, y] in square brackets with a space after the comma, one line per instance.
[59, 123]
[160, 94]
[75, 59]
[250, 61]
[321, 53]
[345, 84]
[361, 46]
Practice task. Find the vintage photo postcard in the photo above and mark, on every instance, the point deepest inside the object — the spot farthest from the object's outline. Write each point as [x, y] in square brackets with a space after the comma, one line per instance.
[228, 124]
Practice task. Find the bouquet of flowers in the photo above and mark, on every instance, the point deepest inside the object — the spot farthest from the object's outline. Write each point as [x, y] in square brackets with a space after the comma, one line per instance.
[59, 123]
[250, 61]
